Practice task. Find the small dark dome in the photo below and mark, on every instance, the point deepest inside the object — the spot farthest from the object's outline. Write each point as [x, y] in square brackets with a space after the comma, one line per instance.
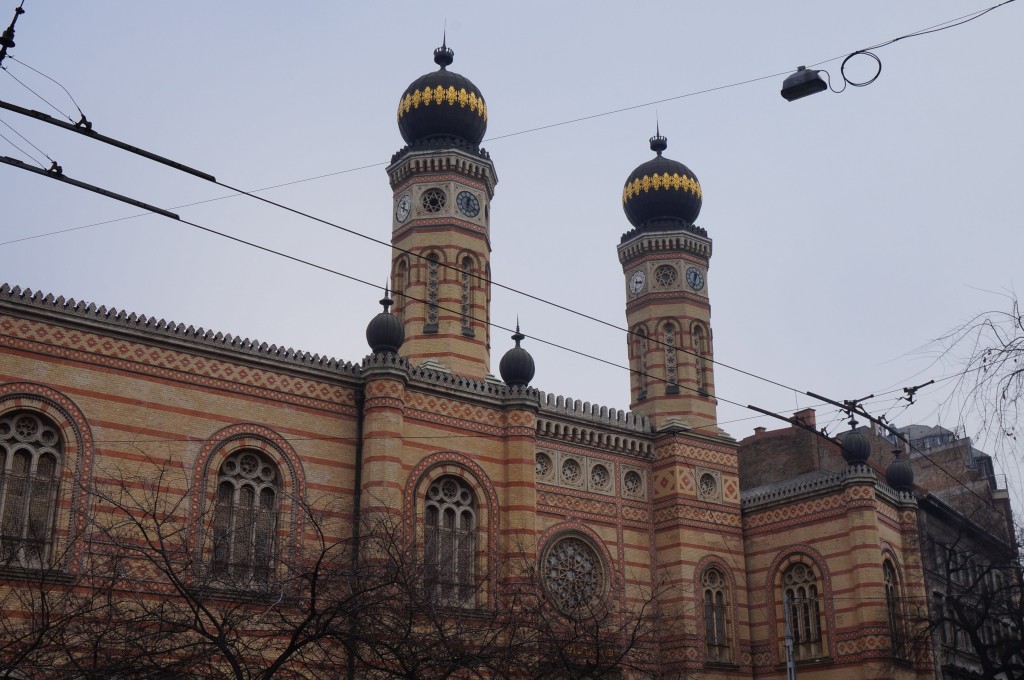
[385, 332]
[661, 193]
[442, 104]
[900, 475]
[517, 368]
[855, 448]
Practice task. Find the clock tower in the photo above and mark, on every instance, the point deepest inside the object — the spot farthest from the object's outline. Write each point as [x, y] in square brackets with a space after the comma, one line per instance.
[443, 183]
[665, 261]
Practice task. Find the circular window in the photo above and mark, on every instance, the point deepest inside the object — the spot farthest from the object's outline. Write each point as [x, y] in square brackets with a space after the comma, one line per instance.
[572, 473]
[633, 483]
[433, 200]
[708, 485]
[666, 275]
[543, 465]
[26, 427]
[574, 575]
[600, 477]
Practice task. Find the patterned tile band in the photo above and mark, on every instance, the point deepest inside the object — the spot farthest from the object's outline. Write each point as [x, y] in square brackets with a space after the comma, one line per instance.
[662, 181]
[439, 95]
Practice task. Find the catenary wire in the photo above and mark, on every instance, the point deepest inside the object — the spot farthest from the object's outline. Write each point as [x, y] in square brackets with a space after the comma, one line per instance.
[46, 101]
[52, 80]
[24, 153]
[935, 28]
[27, 140]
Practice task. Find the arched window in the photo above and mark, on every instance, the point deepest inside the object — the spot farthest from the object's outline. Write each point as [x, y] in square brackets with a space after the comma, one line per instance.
[716, 602]
[466, 279]
[640, 351]
[671, 377]
[433, 291]
[700, 354]
[400, 288]
[803, 611]
[449, 537]
[30, 455]
[892, 605]
[245, 517]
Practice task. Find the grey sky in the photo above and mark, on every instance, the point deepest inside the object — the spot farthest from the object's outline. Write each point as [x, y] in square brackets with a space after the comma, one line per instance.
[848, 229]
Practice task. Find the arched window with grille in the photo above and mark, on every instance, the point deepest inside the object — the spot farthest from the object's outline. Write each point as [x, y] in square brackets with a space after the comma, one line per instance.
[892, 605]
[803, 610]
[400, 288]
[640, 352]
[700, 356]
[433, 292]
[449, 536]
[245, 517]
[30, 458]
[671, 369]
[716, 605]
[466, 281]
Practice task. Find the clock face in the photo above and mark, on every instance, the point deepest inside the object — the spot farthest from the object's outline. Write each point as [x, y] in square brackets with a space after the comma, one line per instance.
[468, 204]
[694, 278]
[403, 207]
[637, 281]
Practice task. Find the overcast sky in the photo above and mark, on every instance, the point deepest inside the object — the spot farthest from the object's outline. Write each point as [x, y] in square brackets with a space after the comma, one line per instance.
[849, 229]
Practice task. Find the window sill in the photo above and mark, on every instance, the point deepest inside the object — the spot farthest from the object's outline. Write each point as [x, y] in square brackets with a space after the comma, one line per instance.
[35, 574]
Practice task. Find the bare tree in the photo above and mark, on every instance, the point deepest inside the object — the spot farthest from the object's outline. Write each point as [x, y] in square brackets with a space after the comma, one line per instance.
[975, 617]
[987, 353]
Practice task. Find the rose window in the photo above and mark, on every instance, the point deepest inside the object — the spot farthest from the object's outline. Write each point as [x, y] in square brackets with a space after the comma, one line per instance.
[573, 575]
[666, 275]
[708, 485]
[572, 473]
[433, 200]
[600, 477]
[633, 484]
[543, 465]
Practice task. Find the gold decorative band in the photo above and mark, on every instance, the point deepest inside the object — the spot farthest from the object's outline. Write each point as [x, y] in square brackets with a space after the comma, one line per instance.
[663, 181]
[439, 95]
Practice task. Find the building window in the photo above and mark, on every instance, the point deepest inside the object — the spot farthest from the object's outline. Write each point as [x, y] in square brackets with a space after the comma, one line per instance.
[466, 274]
[400, 288]
[892, 605]
[700, 353]
[716, 629]
[640, 351]
[245, 518]
[433, 291]
[449, 539]
[803, 611]
[574, 576]
[30, 454]
[671, 377]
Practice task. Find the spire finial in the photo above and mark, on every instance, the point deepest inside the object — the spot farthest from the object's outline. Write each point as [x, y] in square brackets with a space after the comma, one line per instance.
[444, 55]
[658, 142]
[517, 336]
[386, 301]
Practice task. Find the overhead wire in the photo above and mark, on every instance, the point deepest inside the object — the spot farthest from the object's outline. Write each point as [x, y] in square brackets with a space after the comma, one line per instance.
[23, 152]
[936, 28]
[44, 99]
[27, 140]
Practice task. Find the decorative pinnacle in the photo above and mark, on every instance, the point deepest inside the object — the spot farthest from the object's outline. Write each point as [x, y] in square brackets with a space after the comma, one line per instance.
[517, 336]
[386, 301]
[658, 143]
[444, 55]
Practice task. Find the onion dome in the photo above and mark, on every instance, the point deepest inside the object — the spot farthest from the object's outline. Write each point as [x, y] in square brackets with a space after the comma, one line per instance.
[517, 368]
[385, 333]
[899, 474]
[855, 448]
[442, 105]
[661, 193]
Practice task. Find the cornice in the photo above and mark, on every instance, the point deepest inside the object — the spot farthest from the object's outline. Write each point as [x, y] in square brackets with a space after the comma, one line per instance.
[638, 243]
[409, 162]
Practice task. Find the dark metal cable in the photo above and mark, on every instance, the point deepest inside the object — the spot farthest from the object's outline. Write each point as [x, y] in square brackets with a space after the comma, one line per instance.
[44, 99]
[27, 140]
[54, 81]
[25, 153]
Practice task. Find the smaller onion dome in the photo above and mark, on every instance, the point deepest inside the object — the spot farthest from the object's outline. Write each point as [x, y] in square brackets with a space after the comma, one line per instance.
[517, 368]
[899, 474]
[385, 333]
[442, 105]
[661, 193]
[855, 448]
